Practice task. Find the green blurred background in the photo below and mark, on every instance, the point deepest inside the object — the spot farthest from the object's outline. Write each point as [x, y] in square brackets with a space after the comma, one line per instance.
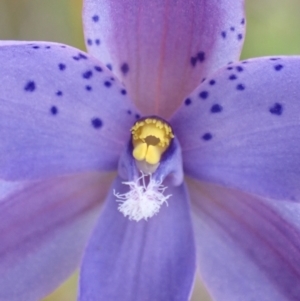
[272, 29]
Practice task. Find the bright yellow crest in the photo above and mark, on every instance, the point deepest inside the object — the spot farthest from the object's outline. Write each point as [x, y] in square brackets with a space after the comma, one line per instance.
[150, 138]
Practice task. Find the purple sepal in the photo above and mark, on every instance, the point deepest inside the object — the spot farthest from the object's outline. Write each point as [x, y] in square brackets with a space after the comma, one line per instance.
[146, 260]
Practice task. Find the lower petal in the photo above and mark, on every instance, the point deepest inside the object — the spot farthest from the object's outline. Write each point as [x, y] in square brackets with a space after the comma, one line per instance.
[44, 226]
[146, 260]
[248, 247]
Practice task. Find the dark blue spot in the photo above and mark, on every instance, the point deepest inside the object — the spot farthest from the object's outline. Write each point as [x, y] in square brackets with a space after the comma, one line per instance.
[232, 77]
[239, 36]
[203, 94]
[203, 79]
[123, 92]
[137, 116]
[223, 34]
[48, 47]
[129, 112]
[62, 46]
[229, 68]
[30, 86]
[109, 66]
[278, 67]
[97, 41]
[107, 84]
[239, 69]
[98, 69]
[274, 59]
[88, 88]
[193, 61]
[207, 136]
[90, 42]
[243, 21]
[88, 74]
[240, 87]
[62, 66]
[82, 56]
[201, 56]
[188, 101]
[112, 78]
[124, 68]
[276, 109]
[36, 47]
[59, 93]
[95, 18]
[212, 82]
[216, 108]
[232, 28]
[97, 123]
[53, 110]
[245, 62]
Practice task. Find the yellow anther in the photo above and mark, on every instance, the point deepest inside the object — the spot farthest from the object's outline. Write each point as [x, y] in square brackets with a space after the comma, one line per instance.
[153, 154]
[150, 138]
[139, 152]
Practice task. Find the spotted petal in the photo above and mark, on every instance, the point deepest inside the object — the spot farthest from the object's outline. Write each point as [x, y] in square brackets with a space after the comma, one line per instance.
[61, 111]
[44, 226]
[248, 247]
[145, 260]
[241, 128]
[162, 49]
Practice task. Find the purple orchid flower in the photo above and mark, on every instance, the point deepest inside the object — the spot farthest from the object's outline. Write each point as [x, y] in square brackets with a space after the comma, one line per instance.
[68, 124]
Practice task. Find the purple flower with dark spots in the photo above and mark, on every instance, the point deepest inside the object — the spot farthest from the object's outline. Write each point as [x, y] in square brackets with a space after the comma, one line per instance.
[141, 179]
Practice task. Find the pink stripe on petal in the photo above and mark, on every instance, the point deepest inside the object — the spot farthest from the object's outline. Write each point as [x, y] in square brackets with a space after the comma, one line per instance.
[162, 49]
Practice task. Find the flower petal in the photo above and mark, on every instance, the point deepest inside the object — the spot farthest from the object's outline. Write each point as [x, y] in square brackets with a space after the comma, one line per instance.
[241, 128]
[148, 260]
[58, 112]
[162, 49]
[44, 226]
[248, 247]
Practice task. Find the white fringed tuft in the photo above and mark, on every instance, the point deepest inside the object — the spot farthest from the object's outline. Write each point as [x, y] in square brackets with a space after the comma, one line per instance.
[142, 201]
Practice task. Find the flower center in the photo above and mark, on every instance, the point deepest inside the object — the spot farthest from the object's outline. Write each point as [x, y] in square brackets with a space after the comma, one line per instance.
[150, 137]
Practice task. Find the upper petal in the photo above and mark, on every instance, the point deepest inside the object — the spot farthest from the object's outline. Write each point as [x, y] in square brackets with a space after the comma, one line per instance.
[147, 260]
[248, 247]
[61, 111]
[162, 49]
[241, 128]
[44, 227]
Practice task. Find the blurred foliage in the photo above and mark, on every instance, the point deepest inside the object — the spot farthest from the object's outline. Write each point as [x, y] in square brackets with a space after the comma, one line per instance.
[66, 292]
[47, 20]
[272, 29]
[271, 24]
